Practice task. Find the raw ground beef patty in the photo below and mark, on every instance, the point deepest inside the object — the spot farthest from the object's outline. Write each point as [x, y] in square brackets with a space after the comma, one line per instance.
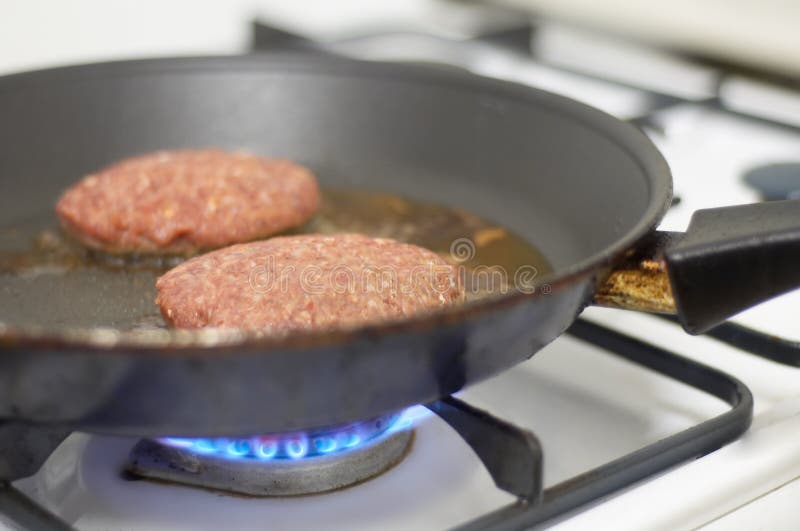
[178, 202]
[307, 282]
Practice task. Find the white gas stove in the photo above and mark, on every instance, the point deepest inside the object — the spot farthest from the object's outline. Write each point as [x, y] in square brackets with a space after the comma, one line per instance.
[587, 407]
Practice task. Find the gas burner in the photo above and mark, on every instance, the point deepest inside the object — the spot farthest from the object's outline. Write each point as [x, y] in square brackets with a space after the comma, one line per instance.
[279, 465]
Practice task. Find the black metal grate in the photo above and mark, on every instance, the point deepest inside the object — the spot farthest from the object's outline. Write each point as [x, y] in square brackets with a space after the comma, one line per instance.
[498, 444]
[767, 346]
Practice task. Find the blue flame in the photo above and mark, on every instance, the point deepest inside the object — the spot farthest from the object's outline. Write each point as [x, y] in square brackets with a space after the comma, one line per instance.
[205, 446]
[349, 440]
[409, 418]
[297, 447]
[239, 448]
[267, 449]
[325, 445]
[301, 445]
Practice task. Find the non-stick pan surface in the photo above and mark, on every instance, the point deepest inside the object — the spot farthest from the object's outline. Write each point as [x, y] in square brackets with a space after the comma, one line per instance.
[579, 185]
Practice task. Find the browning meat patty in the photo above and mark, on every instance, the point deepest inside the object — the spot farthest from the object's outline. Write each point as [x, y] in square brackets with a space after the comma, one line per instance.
[306, 282]
[182, 201]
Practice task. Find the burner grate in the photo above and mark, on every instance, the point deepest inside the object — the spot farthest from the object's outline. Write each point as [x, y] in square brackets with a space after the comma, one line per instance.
[536, 505]
[767, 346]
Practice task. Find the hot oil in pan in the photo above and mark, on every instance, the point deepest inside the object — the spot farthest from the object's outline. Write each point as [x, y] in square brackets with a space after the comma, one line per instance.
[459, 236]
[48, 280]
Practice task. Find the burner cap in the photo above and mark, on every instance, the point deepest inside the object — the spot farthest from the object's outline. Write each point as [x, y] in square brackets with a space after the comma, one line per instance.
[287, 465]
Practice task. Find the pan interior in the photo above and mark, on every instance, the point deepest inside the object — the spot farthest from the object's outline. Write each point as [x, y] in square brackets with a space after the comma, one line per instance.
[563, 181]
[39, 261]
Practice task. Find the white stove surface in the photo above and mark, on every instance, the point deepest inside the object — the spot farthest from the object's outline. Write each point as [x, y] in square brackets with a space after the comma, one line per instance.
[586, 406]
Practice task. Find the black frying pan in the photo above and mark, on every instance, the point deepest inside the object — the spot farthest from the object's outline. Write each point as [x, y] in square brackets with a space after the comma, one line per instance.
[586, 189]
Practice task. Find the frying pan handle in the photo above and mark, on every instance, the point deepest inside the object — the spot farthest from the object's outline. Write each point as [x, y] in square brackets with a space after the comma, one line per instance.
[728, 260]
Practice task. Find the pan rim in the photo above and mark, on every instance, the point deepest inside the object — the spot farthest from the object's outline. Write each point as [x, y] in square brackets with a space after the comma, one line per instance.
[624, 136]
